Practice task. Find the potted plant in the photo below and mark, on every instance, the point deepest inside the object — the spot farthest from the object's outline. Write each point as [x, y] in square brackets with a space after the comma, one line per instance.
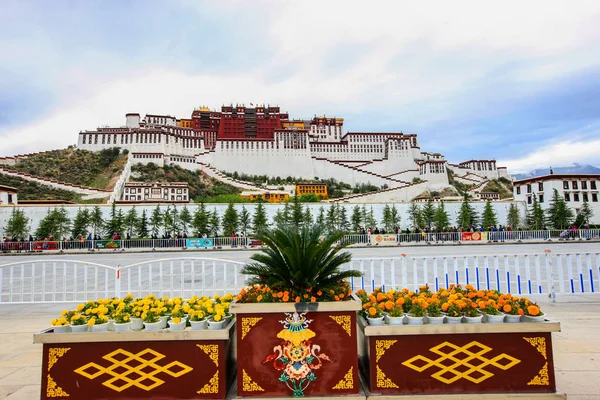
[217, 317]
[472, 314]
[511, 308]
[198, 320]
[417, 312]
[151, 319]
[78, 323]
[98, 323]
[177, 321]
[533, 313]
[434, 312]
[373, 314]
[396, 315]
[491, 311]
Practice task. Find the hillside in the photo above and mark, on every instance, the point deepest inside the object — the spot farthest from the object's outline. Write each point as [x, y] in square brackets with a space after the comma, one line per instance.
[79, 167]
[502, 186]
[34, 191]
[201, 186]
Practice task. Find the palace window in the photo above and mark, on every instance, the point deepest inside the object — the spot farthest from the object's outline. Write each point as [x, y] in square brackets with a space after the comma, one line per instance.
[565, 184]
[541, 186]
[518, 189]
[567, 196]
[585, 196]
[593, 185]
[595, 197]
[541, 198]
[528, 199]
[584, 184]
[574, 183]
[575, 196]
[528, 188]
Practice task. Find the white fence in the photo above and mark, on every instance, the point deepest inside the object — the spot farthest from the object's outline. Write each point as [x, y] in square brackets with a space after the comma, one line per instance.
[78, 281]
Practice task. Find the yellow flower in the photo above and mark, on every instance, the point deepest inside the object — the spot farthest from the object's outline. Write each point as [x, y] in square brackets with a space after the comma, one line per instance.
[92, 321]
[217, 317]
[176, 320]
[80, 307]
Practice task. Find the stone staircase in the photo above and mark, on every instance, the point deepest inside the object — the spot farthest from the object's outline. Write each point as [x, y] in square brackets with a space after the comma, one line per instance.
[220, 176]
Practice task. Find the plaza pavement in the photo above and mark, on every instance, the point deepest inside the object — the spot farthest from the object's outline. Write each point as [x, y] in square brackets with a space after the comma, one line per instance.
[576, 347]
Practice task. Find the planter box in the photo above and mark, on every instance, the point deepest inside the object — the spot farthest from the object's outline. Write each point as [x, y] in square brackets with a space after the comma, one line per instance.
[460, 359]
[128, 365]
[315, 354]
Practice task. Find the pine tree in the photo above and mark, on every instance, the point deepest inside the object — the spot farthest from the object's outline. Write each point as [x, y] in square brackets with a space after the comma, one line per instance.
[230, 220]
[62, 222]
[386, 222]
[415, 215]
[343, 223]
[488, 216]
[142, 226]
[120, 222]
[214, 222]
[80, 223]
[331, 222]
[395, 218]
[297, 215]
[371, 221]
[245, 220]
[307, 218]
[356, 219]
[260, 219]
[17, 227]
[96, 221]
[365, 216]
[513, 219]
[321, 216]
[185, 219]
[112, 226]
[131, 221]
[441, 218]
[287, 214]
[428, 213]
[46, 226]
[467, 216]
[175, 221]
[200, 222]
[156, 220]
[558, 214]
[167, 221]
[535, 215]
[584, 216]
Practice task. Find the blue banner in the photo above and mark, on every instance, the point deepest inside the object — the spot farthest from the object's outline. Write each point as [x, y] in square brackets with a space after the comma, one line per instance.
[198, 243]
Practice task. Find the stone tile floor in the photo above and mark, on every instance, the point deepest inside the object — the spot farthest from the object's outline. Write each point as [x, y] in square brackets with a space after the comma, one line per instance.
[576, 347]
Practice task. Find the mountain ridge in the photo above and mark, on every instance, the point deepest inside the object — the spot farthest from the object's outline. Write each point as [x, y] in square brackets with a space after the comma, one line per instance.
[576, 169]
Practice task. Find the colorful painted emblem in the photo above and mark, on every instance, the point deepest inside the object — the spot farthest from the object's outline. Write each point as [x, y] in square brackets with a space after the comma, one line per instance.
[296, 356]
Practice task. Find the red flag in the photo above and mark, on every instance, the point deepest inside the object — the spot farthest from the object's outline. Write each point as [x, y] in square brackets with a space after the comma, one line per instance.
[252, 104]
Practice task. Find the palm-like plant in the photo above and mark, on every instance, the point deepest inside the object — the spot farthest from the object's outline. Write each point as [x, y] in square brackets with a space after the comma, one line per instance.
[300, 261]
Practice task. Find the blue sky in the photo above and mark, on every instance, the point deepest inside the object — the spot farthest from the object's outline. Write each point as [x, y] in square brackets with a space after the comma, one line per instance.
[514, 81]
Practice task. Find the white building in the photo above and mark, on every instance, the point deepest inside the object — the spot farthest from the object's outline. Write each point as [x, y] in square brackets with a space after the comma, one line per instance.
[575, 189]
[8, 195]
[156, 192]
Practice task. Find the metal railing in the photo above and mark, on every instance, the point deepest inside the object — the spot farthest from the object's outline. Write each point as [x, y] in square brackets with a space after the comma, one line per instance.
[405, 239]
[43, 281]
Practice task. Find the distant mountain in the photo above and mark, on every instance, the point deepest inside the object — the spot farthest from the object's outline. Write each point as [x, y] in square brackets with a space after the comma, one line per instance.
[575, 169]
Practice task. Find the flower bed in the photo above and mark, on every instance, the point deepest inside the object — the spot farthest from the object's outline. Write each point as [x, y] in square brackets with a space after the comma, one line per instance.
[438, 358]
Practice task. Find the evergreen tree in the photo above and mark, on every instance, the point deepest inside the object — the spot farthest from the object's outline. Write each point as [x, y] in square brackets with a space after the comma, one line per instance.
[287, 214]
[214, 222]
[441, 218]
[175, 221]
[46, 226]
[279, 219]
[344, 224]
[386, 222]
[245, 221]
[80, 223]
[558, 214]
[371, 221]
[467, 216]
[331, 222]
[428, 213]
[395, 218]
[513, 219]
[156, 220]
[535, 215]
[415, 215]
[142, 225]
[321, 216]
[356, 219]
[230, 220]
[120, 222]
[17, 227]
[297, 216]
[112, 226]
[488, 217]
[167, 221]
[584, 216]
[260, 218]
[131, 221]
[200, 222]
[307, 219]
[96, 221]
[185, 219]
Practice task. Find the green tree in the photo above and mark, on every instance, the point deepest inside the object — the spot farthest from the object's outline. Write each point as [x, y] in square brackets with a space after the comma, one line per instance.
[287, 213]
[214, 222]
[115, 223]
[428, 213]
[584, 216]
[279, 219]
[535, 215]
[131, 221]
[200, 222]
[371, 221]
[245, 221]
[17, 227]
[441, 218]
[513, 218]
[185, 219]
[167, 221]
[395, 218]
[80, 223]
[297, 216]
[488, 217]
[321, 216]
[175, 226]
[558, 214]
[415, 215]
[230, 220]
[46, 226]
[331, 222]
[356, 219]
[142, 225]
[467, 216]
[260, 218]
[307, 218]
[387, 218]
[343, 223]
[156, 220]
[96, 221]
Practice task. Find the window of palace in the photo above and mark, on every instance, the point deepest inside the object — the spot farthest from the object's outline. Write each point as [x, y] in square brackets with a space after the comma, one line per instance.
[584, 184]
[585, 196]
[575, 196]
[595, 197]
[567, 196]
[565, 184]
[541, 198]
[574, 183]
[541, 186]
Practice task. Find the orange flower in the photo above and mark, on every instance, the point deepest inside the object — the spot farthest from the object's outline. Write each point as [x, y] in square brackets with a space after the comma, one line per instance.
[480, 293]
[520, 311]
[372, 311]
[331, 291]
[286, 298]
[472, 295]
[305, 296]
[533, 310]
[313, 299]
[336, 298]
[400, 301]
[389, 305]
[280, 294]
[507, 308]
[380, 297]
[297, 299]
[366, 305]
[259, 298]
[341, 295]
[319, 293]
[445, 307]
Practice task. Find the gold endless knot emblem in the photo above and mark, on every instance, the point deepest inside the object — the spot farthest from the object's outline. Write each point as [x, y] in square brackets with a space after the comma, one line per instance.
[128, 369]
[466, 362]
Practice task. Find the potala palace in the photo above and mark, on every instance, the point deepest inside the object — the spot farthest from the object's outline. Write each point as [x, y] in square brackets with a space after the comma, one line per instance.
[264, 141]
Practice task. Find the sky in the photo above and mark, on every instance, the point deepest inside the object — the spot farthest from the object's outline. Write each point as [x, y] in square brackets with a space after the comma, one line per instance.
[514, 81]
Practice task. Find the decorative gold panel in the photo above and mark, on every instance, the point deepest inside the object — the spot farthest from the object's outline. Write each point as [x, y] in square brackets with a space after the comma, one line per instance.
[381, 347]
[248, 385]
[383, 381]
[212, 386]
[212, 350]
[539, 343]
[347, 382]
[247, 324]
[345, 321]
[53, 390]
[54, 353]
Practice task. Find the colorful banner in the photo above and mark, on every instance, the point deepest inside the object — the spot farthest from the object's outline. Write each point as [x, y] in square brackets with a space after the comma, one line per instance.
[469, 236]
[39, 246]
[254, 242]
[388, 239]
[108, 244]
[198, 243]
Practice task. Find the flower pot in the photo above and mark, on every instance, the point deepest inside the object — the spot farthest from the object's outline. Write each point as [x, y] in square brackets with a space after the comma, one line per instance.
[137, 324]
[198, 325]
[537, 318]
[79, 328]
[435, 320]
[123, 327]
[375, 321]
[179, 326]
[111, 325]
[453, 320]
[394, 320]
[61, 329]
[494, 319]
[512, 318]
[414, 320]
[153, 326]
[163, 321]
[215, 325]
[228, 318]
[100, 327]
[474, 320]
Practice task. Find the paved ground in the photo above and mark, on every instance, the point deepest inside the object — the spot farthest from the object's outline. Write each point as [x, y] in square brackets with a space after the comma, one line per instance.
[576, 347]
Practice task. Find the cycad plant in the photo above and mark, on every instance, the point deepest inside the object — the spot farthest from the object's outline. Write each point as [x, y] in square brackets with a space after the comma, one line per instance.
[302, 260]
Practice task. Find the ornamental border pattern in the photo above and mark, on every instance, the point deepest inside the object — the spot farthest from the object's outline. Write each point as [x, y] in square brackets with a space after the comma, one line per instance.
[53, 390]
[212, 386]
[381, 346]
[347, 382]
[247, 324]
[248, 385]
[542, 378]
[212, 351]
[345, 321]
[54, 353]
[539, 343]
[383, 381]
